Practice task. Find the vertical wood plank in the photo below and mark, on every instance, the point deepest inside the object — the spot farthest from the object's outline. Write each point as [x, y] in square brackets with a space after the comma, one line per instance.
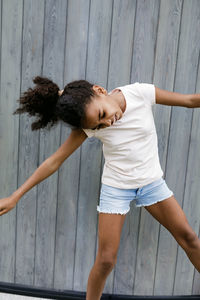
[69, 174]
[54, 42]
[195, 193]
[9, 128]
[32, 42]
[91, 153]
[138, 59]
[196, 285]
[192, 204]
[112, 62]
[53, 229]
[142, 71]
[187, 63]
[74, 69]
[164, 74]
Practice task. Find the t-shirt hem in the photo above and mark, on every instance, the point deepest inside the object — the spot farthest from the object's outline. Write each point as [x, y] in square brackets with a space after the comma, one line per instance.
[131, 186]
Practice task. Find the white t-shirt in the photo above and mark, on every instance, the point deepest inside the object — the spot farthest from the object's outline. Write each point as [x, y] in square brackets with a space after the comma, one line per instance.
[130, 145]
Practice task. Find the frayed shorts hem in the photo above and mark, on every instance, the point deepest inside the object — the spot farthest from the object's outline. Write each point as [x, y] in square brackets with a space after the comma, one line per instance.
[117, 201]
[113, 211]
[148, 204]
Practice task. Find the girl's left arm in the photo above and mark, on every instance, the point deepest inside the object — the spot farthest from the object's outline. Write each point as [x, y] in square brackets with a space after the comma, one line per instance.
[177, 99]
[195, 100]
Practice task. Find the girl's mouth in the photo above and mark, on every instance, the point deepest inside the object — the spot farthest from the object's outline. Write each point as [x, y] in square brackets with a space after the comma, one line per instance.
[116, 117]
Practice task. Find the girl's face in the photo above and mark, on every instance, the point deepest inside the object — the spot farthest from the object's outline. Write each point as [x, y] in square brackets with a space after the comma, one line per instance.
[104, 109]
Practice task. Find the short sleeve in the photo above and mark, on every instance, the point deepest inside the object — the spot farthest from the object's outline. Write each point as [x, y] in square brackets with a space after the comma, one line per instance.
[148, 93]
[90, 133]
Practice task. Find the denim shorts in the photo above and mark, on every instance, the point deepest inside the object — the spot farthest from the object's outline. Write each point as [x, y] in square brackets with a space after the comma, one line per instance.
[116, 200]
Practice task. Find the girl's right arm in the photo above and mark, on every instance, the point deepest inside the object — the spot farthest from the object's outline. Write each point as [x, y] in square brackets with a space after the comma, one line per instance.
[47, 168]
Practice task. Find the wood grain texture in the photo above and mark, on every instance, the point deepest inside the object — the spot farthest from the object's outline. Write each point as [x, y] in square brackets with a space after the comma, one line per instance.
[32, 43]
[47, 198]
[96, 66]
[69, 174]
[187, 68]
[52, 234]
[119, 63]
[164, 74]
[195, 179]
[144, 44]
[9, 91]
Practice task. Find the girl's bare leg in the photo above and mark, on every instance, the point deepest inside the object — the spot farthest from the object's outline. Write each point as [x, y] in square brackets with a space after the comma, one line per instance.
[170, 214]
[109, 232]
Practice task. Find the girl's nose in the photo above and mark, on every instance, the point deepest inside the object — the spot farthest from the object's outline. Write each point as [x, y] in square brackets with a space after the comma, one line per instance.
[108, 122]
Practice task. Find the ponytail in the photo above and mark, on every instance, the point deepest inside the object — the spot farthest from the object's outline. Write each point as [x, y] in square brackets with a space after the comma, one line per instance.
[50, 105]
[41, 101]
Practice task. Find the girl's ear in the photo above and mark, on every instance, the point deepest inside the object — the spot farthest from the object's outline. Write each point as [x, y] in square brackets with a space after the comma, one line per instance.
[99, 89]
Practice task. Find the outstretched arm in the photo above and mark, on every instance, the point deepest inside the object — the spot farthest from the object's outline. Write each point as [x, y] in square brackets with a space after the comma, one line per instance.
[176, 99]
[52, 163]
[47, 168]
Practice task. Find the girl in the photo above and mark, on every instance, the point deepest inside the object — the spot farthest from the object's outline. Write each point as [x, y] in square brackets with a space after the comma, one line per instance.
[123, 121]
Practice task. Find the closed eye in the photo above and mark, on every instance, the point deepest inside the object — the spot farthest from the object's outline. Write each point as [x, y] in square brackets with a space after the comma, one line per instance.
[98, 127]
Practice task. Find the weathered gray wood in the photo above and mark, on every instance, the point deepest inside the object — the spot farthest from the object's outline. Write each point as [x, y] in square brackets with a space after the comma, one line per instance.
[144, 45]
[125, 10]
[185, 81]
[28, 143]
[164, 73]
[140, 44]
[9, 91]
[195, 192]
[191, 204]
[96, 67]
[54, 45]
[69, 176]
[51, 236]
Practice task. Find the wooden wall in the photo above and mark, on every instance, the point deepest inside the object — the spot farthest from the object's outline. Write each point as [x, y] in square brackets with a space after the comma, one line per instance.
[50, 238]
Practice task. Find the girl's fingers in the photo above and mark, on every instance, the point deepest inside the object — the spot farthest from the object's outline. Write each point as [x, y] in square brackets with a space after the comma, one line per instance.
[3, 211]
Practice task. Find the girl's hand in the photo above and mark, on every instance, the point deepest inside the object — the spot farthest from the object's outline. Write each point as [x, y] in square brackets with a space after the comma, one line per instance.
[7, 204]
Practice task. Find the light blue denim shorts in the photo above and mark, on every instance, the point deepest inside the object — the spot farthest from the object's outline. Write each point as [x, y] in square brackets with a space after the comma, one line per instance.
[116, 200]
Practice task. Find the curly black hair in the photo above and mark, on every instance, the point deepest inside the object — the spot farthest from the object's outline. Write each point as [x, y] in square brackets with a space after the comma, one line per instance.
[44, 101]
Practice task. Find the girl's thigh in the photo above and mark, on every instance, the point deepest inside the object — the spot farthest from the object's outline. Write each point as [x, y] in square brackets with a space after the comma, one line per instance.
[171, 215]
[109, 232]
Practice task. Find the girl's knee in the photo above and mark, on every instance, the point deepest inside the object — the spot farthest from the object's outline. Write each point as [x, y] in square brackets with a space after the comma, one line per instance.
[188, 238]
[106, 260]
